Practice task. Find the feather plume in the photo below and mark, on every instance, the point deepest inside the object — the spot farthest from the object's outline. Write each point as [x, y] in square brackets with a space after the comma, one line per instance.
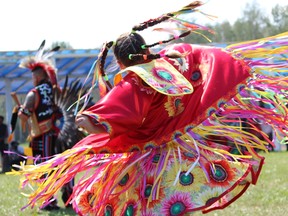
[175, 54]
[190, 7]
[51, 52]
[40, 51]
[69, 133]
[182, 25]
[43, 61]
[168, 30]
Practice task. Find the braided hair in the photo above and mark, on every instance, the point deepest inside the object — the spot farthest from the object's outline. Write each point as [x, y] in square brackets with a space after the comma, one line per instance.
[106, 48]
[131, 48]
[127, 44]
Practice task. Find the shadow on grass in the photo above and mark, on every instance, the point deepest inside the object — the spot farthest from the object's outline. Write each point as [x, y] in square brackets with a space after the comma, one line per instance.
[61, 211]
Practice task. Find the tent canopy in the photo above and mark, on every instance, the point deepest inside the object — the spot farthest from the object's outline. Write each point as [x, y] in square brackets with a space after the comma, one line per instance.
[74, 63]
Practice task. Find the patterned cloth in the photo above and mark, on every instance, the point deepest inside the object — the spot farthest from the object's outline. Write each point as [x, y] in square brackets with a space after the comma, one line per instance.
[145, 120]
[42, 138]
[174, 154]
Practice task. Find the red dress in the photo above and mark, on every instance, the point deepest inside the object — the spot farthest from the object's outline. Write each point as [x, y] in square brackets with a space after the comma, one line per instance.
[140, 119]
[176, 143]
[134, 113]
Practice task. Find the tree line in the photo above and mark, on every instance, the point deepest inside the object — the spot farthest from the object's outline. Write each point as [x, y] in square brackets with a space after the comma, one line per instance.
[253, 24]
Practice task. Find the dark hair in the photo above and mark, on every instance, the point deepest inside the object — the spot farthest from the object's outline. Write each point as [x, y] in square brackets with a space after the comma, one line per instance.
[131, 48]
[2, 117]
[127, 44]
[14, 143]
[39, 70]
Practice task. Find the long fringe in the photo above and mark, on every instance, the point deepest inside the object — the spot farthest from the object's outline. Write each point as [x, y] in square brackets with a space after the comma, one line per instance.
[262, 100]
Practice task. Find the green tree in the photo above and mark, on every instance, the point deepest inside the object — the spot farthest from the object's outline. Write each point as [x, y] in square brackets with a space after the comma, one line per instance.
[280, 18]
[252, 23]
[62, 44]
[224, 33]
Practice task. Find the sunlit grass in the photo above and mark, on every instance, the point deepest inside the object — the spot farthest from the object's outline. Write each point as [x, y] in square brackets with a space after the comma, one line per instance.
[268, 197]
[11, 200]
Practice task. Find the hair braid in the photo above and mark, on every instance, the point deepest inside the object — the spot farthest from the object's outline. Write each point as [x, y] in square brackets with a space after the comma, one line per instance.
[141, 57]
[152, 22]
[164, 17]
[103, 59]
[184, 34]
[130, 48]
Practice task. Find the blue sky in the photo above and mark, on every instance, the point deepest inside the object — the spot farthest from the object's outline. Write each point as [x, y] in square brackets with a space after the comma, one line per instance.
[88, 23]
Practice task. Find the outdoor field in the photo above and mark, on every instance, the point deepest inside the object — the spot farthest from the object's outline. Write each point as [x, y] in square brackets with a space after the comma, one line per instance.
[268, 197]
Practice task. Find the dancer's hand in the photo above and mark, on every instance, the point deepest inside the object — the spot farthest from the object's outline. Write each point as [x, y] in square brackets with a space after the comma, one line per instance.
[86, 123]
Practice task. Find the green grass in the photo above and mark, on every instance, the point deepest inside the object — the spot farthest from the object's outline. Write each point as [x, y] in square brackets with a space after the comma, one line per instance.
[268, 197]
[11, 200]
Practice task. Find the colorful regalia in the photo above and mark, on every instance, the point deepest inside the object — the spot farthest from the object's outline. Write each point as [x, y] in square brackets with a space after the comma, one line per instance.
[182, 133]
[51, 125]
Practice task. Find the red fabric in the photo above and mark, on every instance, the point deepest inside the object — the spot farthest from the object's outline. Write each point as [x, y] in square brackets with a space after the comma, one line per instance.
[135, 114]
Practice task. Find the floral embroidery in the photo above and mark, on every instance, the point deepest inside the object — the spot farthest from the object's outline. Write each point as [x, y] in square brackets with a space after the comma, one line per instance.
[221, 174]
[86, 201]
[174, 106]
[129, 201]
[209, 196]
[194, 179]
[111, 206]
[177, 204]
[146, 190]
[182, 64]
[142, 85]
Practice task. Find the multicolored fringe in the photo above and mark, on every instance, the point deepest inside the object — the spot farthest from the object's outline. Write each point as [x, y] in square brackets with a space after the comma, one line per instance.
[222, 146]
[265, 96]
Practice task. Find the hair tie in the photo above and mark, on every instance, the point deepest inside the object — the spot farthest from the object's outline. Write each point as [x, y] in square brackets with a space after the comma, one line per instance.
[110, 44]
[162, 55]
[145, 57]
[106, 77]
[143, 46]
[176, 37]
[160, 42]
[130, 56]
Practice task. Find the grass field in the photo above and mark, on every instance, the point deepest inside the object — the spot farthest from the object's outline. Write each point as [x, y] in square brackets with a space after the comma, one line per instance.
[268, 197]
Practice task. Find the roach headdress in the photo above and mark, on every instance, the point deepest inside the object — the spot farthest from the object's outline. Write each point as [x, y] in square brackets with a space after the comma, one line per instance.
[42, 60]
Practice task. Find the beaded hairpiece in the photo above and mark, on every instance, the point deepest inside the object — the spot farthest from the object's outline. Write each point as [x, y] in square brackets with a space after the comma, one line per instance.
[42, 60]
